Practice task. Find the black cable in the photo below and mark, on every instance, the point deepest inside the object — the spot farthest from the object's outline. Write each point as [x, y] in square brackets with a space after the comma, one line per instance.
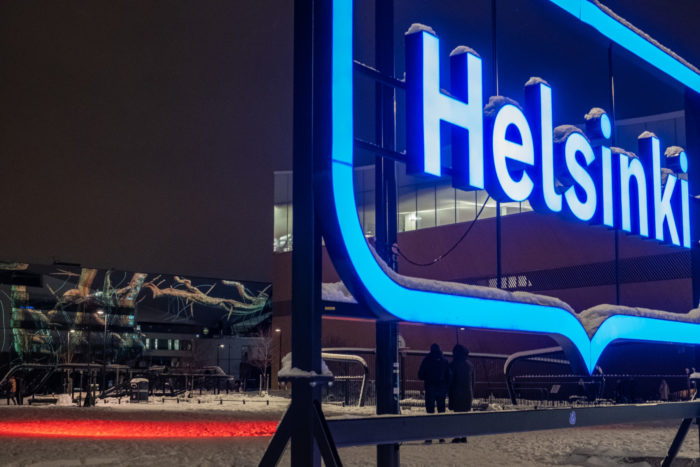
[395, 248]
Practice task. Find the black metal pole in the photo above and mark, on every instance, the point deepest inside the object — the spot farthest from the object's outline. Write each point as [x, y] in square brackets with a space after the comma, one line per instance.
[677, 442]
[611, 76]
[494, 68]
[104, 355]
[692, 143]
[310, 33]
[387, 364]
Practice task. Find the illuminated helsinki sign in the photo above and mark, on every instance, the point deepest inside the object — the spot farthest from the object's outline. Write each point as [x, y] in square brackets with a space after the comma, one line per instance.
[372, 284]
[511, 151]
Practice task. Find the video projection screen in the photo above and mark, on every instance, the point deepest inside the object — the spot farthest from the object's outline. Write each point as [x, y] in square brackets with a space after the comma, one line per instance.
[143, 135]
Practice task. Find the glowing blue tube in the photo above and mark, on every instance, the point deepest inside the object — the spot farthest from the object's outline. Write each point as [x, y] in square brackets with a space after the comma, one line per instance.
[625, 37]
[424, 306]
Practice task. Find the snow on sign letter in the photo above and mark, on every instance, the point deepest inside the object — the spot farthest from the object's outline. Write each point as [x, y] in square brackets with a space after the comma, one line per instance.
[514, 153]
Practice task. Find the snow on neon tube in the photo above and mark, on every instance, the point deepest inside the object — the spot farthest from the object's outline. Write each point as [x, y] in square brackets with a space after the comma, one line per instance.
[423, 306]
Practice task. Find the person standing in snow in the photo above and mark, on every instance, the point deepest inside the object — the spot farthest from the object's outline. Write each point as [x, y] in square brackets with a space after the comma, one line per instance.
[461, 392]
[12, 394]
[19, 390]
[434, 371]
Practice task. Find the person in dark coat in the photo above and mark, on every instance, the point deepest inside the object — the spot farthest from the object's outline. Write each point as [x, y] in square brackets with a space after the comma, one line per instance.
[20, 390]
[12, 391]
[435, 373]
[461, 392]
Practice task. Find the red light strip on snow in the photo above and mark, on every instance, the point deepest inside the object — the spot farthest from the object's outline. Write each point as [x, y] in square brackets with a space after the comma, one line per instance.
[123, 429]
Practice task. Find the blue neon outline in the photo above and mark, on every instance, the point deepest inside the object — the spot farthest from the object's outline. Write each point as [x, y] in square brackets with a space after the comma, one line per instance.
[622, 35]
[438, 308]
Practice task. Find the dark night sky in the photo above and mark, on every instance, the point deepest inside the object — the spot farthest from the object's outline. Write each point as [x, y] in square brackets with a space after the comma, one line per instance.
[143, 135]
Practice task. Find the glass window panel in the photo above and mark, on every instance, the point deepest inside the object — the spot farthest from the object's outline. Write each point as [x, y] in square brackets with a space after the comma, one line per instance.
[466, 205]
[680, 132]
[510, 208]
[425, 207]
[288, 240]
[368, 227]
[445, 204]
[489, 208]
[281, 212]
[407, 209]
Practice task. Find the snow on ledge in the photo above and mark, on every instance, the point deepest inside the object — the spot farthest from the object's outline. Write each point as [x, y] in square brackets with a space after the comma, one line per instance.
[535, 80]
[468, 290]
[563, 131]
[616, 150]
[463, 49]
[595, 112]
[336, 292]
[592, 318]
[287, 371]
[673, 151]
[496, 102]
[417, 27]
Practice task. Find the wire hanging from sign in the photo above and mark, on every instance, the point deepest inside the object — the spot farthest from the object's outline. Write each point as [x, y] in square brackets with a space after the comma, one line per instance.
[396, 250]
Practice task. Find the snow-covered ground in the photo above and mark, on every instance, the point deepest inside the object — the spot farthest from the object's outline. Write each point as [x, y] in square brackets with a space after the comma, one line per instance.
[638, 445]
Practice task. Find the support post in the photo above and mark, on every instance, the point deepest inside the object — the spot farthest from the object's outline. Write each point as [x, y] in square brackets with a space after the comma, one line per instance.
[306, 316]
[387, 363]
[692, 142]
[677, 442]
[611, 78]
[494, 69]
